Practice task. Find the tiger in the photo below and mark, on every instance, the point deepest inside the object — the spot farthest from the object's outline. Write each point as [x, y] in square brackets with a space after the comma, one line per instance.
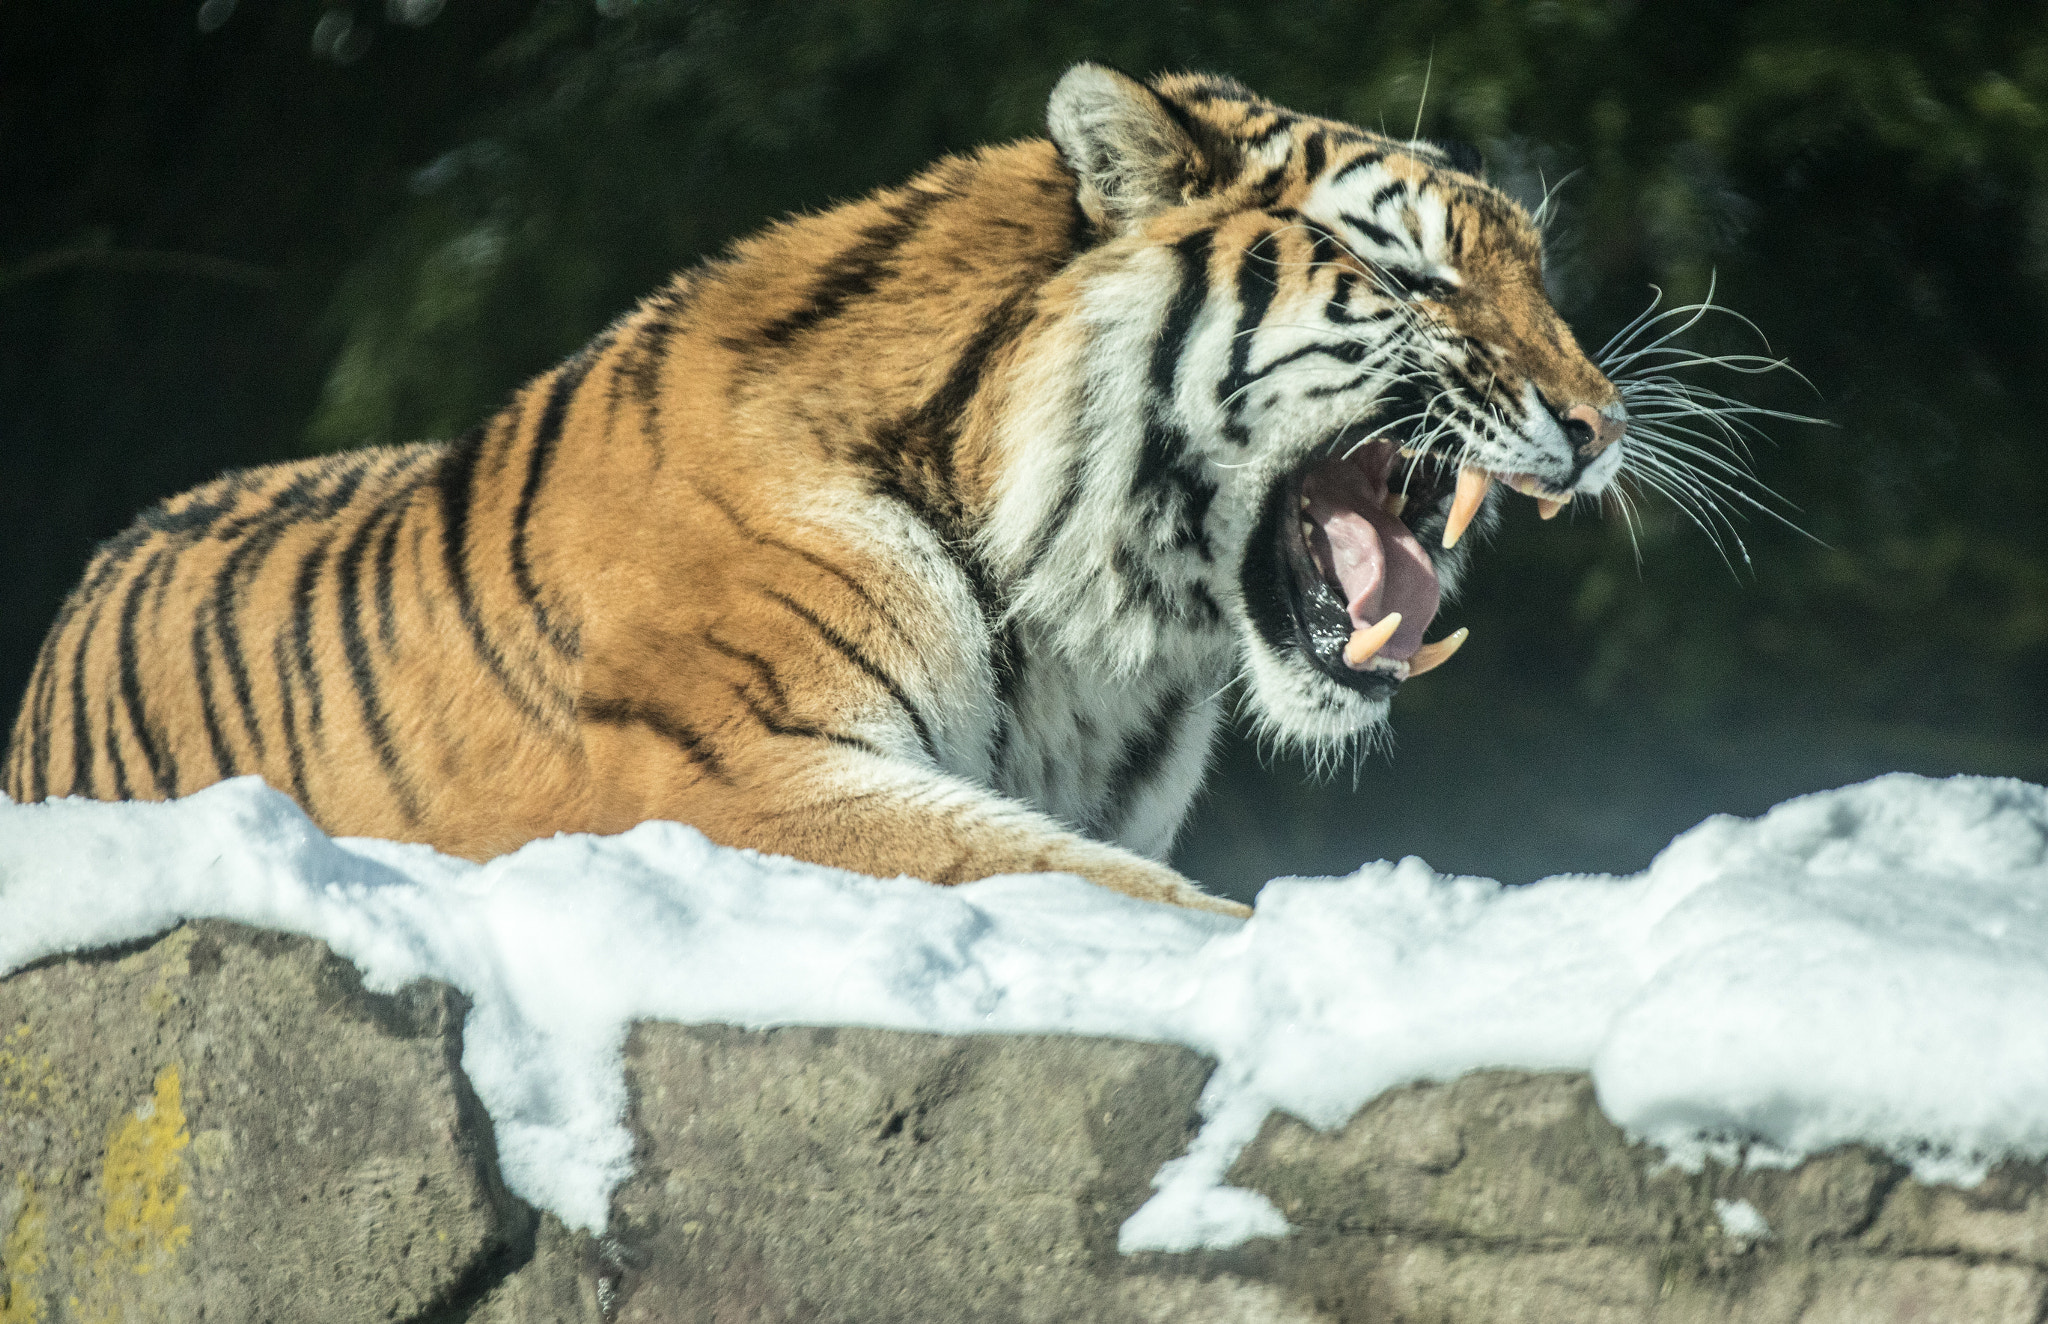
[920, 536]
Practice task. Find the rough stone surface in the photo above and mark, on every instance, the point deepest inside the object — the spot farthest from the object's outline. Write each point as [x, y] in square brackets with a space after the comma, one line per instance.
[858, 1174]
[559, 1285]
[222, 1124]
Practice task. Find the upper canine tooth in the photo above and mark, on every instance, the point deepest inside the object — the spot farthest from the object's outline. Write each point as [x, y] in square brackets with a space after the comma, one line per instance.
[1394, 503]
[1472, 486]
[1359, 649]
[1431, 656]
[1547, 507]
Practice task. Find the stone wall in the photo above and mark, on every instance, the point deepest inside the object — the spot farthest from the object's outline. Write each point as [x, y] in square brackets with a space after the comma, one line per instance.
[222, 1124]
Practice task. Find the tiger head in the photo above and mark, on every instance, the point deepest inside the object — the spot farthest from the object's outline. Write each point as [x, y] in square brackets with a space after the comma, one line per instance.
[1355, 356]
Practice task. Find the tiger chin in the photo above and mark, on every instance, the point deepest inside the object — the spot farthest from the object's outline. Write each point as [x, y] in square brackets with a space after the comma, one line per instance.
[919, 536]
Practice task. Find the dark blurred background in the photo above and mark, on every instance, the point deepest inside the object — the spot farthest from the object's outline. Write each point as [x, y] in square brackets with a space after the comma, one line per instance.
[241, 230]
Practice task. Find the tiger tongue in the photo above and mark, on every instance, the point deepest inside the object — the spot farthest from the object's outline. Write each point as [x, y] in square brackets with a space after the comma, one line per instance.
[1378, 565]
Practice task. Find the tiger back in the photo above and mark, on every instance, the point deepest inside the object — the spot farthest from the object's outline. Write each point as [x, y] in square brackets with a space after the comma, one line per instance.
[922, 535]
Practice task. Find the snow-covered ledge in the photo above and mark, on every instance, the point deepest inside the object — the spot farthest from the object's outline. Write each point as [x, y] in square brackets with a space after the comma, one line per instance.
[233, 1116]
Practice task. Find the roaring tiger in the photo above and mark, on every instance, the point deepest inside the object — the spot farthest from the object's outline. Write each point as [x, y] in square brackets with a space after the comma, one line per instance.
[919, 536]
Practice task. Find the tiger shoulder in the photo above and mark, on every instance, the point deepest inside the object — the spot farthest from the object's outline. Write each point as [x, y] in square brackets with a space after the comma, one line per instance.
[919, 536]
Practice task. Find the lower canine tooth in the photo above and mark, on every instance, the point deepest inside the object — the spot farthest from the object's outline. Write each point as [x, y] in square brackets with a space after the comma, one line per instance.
[1472, 485]
[1431, 656]
[1363, 644]
[1547, 507]
[1395, 503]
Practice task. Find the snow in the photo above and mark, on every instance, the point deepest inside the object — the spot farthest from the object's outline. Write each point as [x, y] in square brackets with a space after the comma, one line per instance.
[1741, 1222]
[1863, 964]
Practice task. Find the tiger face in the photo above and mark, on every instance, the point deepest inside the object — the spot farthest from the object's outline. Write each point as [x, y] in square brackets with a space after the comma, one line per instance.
[1356, 353]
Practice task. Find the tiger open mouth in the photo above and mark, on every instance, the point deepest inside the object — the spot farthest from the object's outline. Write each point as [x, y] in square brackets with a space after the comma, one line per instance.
[1364, 586]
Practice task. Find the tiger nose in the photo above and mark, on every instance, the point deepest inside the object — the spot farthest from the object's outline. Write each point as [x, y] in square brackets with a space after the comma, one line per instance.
[1590, 430]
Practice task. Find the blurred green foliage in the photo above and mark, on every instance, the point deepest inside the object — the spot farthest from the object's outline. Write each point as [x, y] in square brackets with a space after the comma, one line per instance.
[1866, 181]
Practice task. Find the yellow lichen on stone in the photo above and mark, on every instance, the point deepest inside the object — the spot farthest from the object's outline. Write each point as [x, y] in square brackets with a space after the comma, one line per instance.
[173, 952]
[22, 1257]
[143, 1182]
[28, 1080]
[123, 1266]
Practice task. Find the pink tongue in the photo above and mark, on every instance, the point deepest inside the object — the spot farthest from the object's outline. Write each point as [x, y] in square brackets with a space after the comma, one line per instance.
[1380, 565]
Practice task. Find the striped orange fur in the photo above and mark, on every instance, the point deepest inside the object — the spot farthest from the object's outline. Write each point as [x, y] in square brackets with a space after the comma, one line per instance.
[918, 536]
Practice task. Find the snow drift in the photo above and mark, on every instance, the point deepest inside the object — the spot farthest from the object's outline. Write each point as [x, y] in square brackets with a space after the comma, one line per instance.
[1863, 964]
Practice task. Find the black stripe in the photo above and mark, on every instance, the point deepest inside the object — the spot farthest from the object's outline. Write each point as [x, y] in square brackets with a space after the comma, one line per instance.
[1143, 753]
[1312, 156]
[227, 629]
[1137, 580]
[122, 790]
[1004, 649]
[260, 534]
[726, 508]
[999, 746]
[546, 435]
[1258, 283]
[82, 748]
[1324, 249]
[763, 669]
[295, 753]
[781, 721]
[913, 459]
[395, 506]
[47, 724]
[202, 675]
[304, 584]
[854, 654]
[1326, 390]
[1081, 232]
[1203, 90]
[1339, 307]
[625, 712]
[355, 645]
[387, 553]
[777, 725]
[1270, 186]
[1377, 233]
[163, 766]
[650, 345]
[649, 353]
[1385, 193]
[1171, 487]
[1192, 254]
[113, 556]
[1358, 163]
[196, 518]
[456, 483]
[853, 274]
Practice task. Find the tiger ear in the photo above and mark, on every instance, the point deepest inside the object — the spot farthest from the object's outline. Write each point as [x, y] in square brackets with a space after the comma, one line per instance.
[1134, 152]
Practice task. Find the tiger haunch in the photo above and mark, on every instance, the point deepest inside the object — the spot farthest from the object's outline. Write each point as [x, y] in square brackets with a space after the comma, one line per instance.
[919, 536]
